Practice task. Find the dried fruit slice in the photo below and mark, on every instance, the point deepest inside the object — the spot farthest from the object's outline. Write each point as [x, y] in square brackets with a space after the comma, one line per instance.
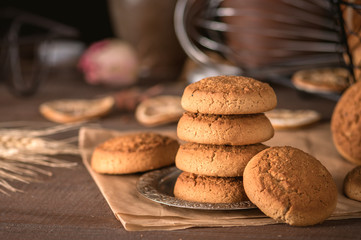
[287, 118]
[76, 110]
[159, 110]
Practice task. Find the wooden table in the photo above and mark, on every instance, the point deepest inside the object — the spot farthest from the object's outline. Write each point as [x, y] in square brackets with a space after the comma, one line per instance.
[68, 205]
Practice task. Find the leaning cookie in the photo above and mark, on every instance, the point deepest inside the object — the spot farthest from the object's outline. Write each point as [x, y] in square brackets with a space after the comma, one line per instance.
[290, 186]
[224, 129]
[352, 184]
[228, 95]
[346, 124]
[198, 188]
[216, 160]
[132, 153]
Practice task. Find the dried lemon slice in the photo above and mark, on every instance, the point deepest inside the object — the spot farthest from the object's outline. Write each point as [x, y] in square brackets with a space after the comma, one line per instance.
[159, 110]
[76, 110]
[287, 118]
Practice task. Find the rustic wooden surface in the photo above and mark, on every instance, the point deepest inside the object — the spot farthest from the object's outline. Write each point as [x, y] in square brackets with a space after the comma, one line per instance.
[68, 205]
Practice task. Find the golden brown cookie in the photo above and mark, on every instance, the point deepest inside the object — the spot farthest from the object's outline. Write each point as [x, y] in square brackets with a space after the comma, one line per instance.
[228, 95]
[321, 80]
[290, 186]
[132, 153]
[346, 124]
[352, 184]
[198, 188]
[216, 160]
[224, 129]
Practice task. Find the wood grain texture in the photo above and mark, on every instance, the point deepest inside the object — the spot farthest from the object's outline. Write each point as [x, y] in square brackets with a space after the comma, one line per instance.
[68, 205]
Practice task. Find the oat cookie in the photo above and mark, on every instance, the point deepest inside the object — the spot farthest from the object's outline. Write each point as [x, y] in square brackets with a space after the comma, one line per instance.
[290, 186]
[352, 184]
[224, 129]
[199, 188]
[228, 95]
[216, 160]
[346, 124]
[132, 153]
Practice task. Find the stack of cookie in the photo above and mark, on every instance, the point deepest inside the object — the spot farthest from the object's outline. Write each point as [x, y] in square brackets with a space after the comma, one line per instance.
[224, 126]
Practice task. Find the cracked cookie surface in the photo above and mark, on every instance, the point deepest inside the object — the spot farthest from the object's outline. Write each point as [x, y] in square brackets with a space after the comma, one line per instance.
[137, 152]
[216, 160]
[224, 129]
[290, 186]
[346, 124]
[228, 95]
[199, 188]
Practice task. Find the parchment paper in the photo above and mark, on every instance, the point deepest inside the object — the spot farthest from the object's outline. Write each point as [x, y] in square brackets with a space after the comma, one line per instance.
[137, 213]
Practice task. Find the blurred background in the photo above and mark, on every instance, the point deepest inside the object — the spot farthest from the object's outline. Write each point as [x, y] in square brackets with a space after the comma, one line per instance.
[123, 43]
[91, 19]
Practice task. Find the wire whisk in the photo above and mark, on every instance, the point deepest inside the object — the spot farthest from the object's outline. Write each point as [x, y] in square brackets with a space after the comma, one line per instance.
[270, 39]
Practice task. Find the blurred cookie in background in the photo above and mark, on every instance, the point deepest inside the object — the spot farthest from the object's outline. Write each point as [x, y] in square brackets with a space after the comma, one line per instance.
[352, 184]
[352, 21]
[210, 189]
[346, 124]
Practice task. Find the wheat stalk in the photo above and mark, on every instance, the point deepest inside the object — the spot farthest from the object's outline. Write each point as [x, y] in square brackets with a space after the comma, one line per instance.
[38, 132]
[10, 143]
[22, 150]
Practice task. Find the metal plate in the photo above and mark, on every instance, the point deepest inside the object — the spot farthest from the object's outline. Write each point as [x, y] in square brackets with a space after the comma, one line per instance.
[158, 186]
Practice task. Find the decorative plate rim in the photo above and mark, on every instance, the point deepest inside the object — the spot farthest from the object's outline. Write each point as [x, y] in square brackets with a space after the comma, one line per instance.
[148, 185]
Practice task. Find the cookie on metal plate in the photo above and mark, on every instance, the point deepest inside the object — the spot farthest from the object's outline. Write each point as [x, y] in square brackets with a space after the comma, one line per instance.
[216, 160]
[199, 188]
[228, 95]
[352, 184]
[224, 129]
